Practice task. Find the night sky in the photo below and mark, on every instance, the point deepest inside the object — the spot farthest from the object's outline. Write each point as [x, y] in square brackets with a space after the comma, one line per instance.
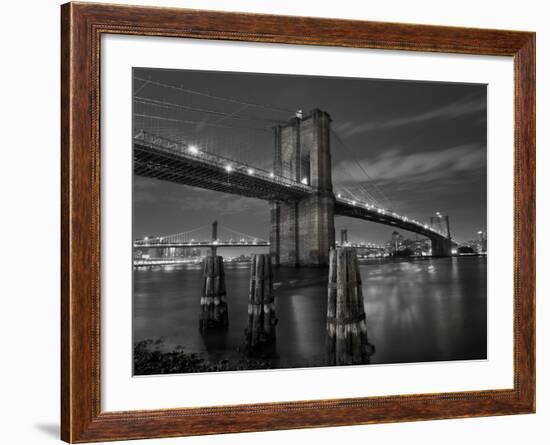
[422, 144]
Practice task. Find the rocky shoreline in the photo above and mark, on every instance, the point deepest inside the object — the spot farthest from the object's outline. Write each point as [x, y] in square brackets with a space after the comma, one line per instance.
[150, 358]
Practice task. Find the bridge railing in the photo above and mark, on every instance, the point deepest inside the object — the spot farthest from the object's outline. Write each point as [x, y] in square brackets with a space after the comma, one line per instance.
[159, 142]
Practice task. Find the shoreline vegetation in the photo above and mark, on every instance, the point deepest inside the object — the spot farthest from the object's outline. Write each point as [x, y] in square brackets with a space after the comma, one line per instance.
[150, 358]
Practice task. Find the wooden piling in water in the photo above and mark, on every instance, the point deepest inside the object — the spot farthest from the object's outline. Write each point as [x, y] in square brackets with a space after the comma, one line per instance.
[347, 341]
[213, 298]
[261, 304]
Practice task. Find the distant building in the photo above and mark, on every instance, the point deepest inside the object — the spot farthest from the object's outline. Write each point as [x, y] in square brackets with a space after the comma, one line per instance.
[396, 241]
[400, 246]
[478, 245]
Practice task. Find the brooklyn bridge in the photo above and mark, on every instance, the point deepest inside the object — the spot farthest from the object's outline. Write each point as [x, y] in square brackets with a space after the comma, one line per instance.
[245, 189]
[298, 190]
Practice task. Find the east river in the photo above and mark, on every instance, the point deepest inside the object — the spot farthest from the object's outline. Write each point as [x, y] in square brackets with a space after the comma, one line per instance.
[423, 309]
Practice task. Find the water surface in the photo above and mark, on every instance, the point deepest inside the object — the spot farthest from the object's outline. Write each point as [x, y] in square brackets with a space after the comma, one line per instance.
[417, 310]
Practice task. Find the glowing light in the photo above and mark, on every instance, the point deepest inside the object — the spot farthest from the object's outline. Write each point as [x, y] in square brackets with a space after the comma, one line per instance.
[352, 203]
[339, 195]
[193, 149]
[250, 171]
[272, 175]
[304, 181]
[228, 168]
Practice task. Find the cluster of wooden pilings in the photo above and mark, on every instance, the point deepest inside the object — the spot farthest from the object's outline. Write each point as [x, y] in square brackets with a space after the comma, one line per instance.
[261, 303]
[347, 341]
[346, 329]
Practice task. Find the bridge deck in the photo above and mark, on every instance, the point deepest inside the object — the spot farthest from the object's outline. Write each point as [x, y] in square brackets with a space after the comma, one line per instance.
[159, 158]
[344, 207]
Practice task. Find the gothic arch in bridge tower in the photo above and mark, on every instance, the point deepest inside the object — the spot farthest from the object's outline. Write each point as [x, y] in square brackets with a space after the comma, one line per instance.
[302, 230]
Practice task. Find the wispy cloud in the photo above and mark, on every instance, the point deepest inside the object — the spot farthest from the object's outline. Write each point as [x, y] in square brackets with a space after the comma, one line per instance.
[463, 107]
[417, 167]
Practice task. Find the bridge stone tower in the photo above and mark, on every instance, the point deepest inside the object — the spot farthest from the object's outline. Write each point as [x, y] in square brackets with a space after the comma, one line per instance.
[302, 232]
[441, 246]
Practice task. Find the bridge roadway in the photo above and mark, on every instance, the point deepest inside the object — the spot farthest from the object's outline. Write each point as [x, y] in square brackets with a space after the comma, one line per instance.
[160, 158]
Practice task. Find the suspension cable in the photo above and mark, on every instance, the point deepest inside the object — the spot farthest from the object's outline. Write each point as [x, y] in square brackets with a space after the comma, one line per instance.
[212, 96]
[170, 105]
[191, 122]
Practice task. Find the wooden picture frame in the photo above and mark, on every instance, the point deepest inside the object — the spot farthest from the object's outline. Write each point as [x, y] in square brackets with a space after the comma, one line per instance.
[82, 26]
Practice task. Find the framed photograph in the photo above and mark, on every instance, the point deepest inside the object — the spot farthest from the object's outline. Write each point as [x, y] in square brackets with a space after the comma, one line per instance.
[275, 222]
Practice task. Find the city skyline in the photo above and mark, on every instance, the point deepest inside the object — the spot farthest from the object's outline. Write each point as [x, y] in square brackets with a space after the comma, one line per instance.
[422, 144]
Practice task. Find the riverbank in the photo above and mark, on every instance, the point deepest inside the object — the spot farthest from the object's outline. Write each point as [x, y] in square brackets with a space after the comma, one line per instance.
[151, 358]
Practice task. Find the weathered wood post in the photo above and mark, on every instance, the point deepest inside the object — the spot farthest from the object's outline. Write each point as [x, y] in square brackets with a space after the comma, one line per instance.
[347, 341]
[261, 304]
[213, 298]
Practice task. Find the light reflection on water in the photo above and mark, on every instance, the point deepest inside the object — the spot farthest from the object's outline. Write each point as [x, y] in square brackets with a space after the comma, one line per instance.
[417, 310]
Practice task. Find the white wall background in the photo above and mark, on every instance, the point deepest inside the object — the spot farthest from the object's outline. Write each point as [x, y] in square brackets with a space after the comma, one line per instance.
[29, 187]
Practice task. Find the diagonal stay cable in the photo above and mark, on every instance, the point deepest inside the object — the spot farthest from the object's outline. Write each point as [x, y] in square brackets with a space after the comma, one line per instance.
[363, 190]
[364, 170]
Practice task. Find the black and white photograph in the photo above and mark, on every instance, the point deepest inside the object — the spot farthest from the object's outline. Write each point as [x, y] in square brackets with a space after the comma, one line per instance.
[290, 221]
